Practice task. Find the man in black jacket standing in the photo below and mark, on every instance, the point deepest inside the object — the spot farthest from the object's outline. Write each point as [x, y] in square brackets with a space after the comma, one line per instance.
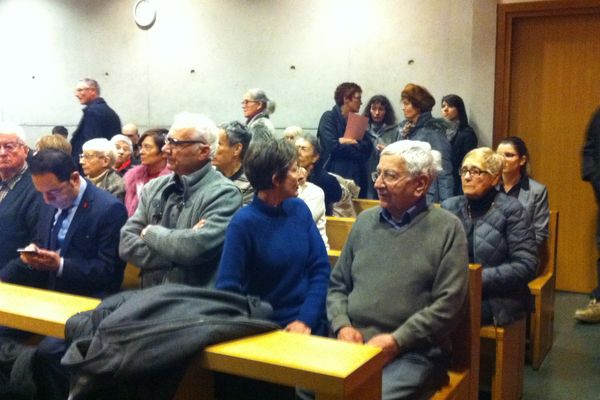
[590, 172]
[98, 120]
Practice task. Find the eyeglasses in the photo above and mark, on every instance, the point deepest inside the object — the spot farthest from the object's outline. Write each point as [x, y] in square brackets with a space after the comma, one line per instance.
[10, 146]
[387, 176]
[474, 172]
[88, 156]
[245, 102]
[176, 142]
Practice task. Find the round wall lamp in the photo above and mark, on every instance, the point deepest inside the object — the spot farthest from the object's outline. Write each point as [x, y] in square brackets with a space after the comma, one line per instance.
[144, 13]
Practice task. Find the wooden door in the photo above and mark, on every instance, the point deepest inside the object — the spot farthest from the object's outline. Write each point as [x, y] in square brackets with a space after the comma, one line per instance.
[553, 87]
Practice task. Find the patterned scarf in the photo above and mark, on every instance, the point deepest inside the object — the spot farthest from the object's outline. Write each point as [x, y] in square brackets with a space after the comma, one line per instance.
[407, 129]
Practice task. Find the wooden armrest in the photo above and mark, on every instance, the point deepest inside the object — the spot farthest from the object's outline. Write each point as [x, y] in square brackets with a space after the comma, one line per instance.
[538, 284]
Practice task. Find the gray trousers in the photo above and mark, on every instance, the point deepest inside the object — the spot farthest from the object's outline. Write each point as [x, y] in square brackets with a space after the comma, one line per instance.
[415, 375]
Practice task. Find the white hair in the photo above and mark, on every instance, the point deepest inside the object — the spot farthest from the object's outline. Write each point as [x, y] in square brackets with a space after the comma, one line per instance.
[11, 128]
[418, 156]
[121, 138]
[204, 128]
[103, 146]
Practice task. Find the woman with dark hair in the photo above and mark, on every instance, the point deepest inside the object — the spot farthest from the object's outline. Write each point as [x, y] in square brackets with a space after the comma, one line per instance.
[233, 142]
[153, 164]
[344, 156]
[382, 131]
[257, 108]
[273, 249]
[500, 238]
[309, 155]
[459, 133]
[419, 124]
[517, 183]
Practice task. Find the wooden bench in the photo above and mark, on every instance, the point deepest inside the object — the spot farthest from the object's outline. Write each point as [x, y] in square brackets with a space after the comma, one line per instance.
[361, 205]
[503, 359]
[131, 277]
[333, 369]
[338, 229]
[541, 326]
[333, 256]
[464, 368]
[40, 311]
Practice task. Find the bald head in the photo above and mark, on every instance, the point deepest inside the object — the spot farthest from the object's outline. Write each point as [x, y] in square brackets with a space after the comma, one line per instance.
[131, 131]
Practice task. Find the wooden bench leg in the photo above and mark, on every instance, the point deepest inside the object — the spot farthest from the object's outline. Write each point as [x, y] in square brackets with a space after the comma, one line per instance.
[196, 384]
[542, 326]
[507, 380]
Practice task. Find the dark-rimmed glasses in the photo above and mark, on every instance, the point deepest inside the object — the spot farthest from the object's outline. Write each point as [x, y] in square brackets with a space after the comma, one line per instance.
[474, 171]
[176, 142]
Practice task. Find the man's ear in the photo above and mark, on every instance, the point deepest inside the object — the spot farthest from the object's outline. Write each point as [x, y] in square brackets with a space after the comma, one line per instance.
[204, 152]
[74, 178]
[422, 185]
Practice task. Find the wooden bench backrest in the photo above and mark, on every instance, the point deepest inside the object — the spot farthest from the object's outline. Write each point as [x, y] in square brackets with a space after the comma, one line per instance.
[363, 204]
[465, 338]
[549, 247]
[338, 229]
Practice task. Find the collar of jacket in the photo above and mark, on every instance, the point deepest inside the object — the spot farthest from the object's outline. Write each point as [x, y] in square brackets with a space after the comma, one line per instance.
[192, 182]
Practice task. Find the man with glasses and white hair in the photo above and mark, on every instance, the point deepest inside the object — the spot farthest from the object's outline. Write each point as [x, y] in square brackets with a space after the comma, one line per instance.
[19, 201]
[401, 280]
[177, 232]
[98, 120]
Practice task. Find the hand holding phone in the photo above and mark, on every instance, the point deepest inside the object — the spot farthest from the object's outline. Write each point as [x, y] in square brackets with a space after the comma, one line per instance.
[30, 249]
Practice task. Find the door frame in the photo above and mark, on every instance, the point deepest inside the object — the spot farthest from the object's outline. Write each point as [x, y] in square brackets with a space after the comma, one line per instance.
[506, 16]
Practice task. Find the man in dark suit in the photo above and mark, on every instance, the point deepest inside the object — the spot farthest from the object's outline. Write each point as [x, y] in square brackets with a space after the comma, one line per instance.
[19, 201]
[98, 120]
[75, 250]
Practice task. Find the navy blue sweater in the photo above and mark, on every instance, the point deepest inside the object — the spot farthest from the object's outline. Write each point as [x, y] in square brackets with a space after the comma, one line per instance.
[277, 254]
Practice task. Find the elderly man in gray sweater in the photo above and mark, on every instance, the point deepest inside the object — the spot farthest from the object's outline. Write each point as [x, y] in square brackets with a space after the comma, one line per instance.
[401, 281]
[177, 232]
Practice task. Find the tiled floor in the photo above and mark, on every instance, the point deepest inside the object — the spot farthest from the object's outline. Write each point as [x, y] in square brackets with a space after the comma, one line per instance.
[572, 368]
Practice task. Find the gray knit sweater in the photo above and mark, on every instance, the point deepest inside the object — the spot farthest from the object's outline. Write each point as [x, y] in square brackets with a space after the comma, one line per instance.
[206, 195]
[410, 282]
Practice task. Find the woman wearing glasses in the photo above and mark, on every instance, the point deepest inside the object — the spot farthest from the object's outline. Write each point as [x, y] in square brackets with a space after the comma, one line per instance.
[500, 237]
[153, 164]
[517, 183]
[257, 108]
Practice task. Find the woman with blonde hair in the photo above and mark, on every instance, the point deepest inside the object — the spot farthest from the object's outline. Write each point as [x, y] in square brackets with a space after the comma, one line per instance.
[500, 237]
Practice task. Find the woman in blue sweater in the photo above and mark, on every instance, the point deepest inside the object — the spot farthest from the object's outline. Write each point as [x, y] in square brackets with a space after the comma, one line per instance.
[273, 248]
